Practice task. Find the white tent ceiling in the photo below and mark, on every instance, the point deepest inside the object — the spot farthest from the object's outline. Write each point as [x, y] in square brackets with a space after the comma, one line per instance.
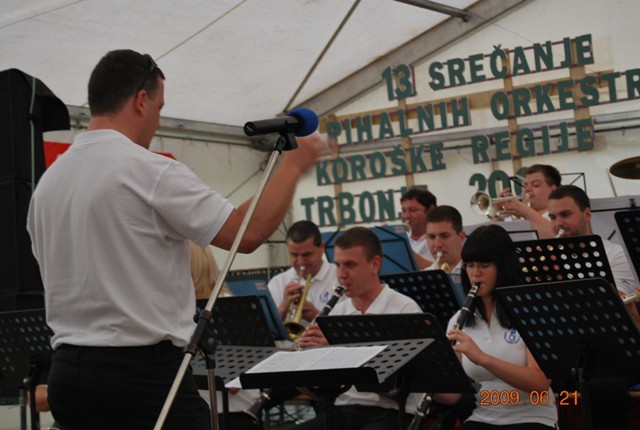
[229, 61]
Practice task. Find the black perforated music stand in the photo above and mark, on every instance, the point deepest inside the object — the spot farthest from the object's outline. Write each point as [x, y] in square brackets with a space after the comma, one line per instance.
[25, 350]
[431, 289]
[563, 259]
[578, 328]
[436, 370]
[239, 320]
[329, 382]
[629, 226]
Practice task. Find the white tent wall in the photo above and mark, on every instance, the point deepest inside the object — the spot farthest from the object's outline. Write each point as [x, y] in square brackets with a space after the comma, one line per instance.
[611, 25]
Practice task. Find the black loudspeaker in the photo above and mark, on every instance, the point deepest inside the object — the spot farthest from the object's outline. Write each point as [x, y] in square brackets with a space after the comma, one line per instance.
[27, 109]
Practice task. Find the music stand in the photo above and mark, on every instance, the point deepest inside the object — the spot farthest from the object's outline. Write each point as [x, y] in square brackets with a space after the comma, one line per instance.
[431, 289]
[563, 259]
[397, 253]
[25, 349]
[435, 370]
[258, 287]
[239, 320]
[628, 224]
[329, 381]
[579, 328]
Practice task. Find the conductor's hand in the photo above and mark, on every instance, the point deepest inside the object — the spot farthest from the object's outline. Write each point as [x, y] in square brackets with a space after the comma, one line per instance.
[312, 337]
[305, 156]
[465, 345]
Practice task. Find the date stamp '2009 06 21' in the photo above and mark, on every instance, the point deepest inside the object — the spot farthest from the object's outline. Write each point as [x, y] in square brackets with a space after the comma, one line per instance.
[513, 398]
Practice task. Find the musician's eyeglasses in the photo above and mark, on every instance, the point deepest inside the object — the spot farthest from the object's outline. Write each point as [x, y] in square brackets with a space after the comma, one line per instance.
[152, 72]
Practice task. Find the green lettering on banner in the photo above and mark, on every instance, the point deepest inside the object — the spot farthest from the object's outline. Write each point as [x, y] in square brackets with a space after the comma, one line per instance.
[378, 165]
[435, 150]
[543, 98]
[588, 86]
[585, 134]
[633, 83]
[363, 127]
[584, 53]
[500, 105]
[322, 175]
[479, 147]
[425, 117]
[498, 69]
[358, 163]
[397, 159]
[325, 211]
[565, 94]
[386, 205]
[525, 143]
[334, 129]
[563, 140]
[386, 127]
[307, 203]
[543, 54]
[405, 130]
[417, 161]
[437, 78]
[476, 68]
[347, 214]
[367, 206]
[501, 142]
[455, 66]
[340, 170]
[520, 63]
[521, 99]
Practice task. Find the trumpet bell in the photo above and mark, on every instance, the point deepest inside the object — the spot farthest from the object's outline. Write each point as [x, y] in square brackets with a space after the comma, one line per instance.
[294, 329]
[480, 203]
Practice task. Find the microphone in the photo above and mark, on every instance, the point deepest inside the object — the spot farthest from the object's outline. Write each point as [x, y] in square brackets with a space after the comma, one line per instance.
[301, 122]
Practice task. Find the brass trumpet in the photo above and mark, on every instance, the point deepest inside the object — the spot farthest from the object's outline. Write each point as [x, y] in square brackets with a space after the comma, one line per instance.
[294, 313]
[482, 203]
[444, 266]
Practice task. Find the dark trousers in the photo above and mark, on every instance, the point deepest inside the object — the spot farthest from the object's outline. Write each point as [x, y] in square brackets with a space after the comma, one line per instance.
[95, 388]
[471, 425]
[357, 417]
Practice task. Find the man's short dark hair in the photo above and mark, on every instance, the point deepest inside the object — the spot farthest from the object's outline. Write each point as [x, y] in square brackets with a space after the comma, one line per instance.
[446, 213]
[551, 174]
[119, 75]
[303, 230]
[360, 236]
[424, 197]
[576, 193]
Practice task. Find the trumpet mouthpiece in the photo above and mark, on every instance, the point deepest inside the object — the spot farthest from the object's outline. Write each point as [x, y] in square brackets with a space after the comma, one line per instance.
[561, 231]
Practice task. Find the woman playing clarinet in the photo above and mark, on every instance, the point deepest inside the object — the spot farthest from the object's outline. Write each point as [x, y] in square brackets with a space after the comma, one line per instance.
[491, 350]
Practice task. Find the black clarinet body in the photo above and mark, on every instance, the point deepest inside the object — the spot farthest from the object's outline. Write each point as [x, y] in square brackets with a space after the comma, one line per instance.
[425, 401]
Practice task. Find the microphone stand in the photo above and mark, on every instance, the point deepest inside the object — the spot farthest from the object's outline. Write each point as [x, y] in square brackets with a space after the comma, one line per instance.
[202, 337]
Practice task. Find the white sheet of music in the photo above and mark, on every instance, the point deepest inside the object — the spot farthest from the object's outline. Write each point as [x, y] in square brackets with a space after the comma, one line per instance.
[331, 357]
[336, 357]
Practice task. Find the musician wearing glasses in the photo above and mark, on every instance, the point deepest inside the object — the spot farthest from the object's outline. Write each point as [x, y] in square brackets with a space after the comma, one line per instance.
[306, 250]
[445, 238]
[110, 223]
[358, 257]
[490, 349]
[570, 213]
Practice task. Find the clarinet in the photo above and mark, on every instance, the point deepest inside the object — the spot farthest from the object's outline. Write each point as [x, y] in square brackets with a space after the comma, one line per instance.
[425, 401]
[265, 395]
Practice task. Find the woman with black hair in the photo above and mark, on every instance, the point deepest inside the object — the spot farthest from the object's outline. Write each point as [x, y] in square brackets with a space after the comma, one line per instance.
[489, 347]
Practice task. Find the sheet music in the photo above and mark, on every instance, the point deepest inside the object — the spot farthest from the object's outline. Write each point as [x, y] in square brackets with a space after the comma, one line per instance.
[336, 357]
[317, 359]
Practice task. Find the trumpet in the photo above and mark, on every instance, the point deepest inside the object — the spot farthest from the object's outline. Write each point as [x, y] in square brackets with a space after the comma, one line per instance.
[444, 266]
[482, 203]
[560, 232]
[294, 313]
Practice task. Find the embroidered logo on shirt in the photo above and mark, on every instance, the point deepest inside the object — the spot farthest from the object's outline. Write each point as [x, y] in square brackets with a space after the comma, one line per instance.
[325, 296]
[512, 336]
